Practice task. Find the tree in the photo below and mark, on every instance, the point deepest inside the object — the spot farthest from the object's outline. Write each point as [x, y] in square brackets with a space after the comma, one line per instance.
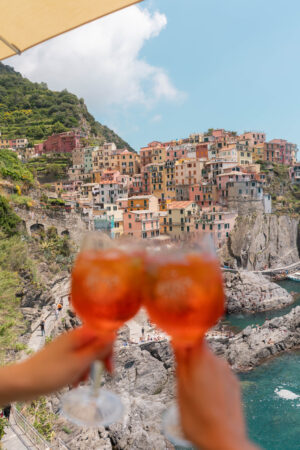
[58, 127]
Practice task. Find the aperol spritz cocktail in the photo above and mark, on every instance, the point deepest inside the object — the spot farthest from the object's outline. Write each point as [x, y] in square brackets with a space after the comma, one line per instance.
[105, 294]
[184, 297]
[105, 288]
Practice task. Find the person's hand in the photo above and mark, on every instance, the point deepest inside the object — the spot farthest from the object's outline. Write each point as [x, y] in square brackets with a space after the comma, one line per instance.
[210, 401]
[64, 361]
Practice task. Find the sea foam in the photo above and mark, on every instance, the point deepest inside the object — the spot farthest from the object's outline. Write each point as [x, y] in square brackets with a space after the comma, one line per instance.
[287, 395]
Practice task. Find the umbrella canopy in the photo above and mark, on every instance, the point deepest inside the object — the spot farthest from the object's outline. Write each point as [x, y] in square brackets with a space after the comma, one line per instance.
[25, 23]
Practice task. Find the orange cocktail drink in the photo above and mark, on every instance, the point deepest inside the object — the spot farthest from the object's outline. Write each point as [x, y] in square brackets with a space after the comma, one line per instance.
[185, 295]
[105, 288]
[105, 294]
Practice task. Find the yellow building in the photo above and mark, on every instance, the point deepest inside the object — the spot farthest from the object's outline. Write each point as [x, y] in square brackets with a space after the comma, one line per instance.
[158, 154]
[143, 202]
[127, 163]
[258, 152]
[179, 220]
[160, 180]
[244, 157]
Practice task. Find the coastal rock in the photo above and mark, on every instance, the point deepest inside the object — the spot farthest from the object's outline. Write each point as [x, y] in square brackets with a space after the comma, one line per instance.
[249, 292]
[262, 240]
[249, 349]
[146, 388]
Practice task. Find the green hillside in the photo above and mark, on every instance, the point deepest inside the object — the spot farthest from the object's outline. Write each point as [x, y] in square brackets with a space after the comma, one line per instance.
[32, 110]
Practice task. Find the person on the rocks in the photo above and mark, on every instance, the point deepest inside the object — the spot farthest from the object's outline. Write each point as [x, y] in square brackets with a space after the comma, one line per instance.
[59, 307]
[6, 411]
[42, 327]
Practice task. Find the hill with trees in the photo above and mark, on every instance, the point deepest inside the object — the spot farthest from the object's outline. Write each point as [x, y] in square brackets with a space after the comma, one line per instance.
[32, 110]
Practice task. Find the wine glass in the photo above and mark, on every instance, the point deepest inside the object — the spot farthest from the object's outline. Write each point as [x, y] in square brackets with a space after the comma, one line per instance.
[105, 294]
[184, 297]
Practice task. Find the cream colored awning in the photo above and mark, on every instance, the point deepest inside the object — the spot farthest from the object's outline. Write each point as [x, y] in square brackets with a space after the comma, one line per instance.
[25, 23]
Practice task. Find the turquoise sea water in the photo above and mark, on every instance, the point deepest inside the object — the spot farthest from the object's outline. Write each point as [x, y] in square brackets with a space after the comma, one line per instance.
[273, 418]
[270, 393]
[240, 321]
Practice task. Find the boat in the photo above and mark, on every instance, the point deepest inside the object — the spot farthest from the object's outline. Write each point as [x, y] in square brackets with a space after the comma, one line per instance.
[294, 276]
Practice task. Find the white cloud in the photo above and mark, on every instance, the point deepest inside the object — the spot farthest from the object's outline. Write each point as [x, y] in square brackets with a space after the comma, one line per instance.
[101, 62]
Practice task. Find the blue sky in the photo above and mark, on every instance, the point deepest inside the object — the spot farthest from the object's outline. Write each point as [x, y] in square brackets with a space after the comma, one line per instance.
[197, 64]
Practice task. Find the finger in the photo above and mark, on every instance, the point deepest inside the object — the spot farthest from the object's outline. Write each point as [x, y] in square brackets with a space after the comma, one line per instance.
[96, 350]
[82, 336]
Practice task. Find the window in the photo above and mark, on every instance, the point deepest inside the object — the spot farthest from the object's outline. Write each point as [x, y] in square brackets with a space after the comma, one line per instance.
[129, 225]
[188, 229]
[171, 228]
[203, 226]
[144, 235]
[227, 234]
[220, 217]
[210, 227]
[182, 228]
[170, 211]
[240, 191]
[129, 216]
[219, 226]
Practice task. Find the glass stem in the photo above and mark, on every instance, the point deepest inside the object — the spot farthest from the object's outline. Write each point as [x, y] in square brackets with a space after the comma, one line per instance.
[96, 377]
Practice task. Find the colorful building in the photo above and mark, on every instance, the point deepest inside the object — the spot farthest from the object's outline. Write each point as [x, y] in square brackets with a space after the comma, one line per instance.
[60, 143]
[179, 220]
[143, 202]
[142, 224]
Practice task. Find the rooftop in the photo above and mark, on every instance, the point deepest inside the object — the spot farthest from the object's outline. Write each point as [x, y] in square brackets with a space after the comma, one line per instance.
[179, 205]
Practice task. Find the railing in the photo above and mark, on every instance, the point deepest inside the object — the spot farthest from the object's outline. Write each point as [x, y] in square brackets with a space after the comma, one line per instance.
[31, 433]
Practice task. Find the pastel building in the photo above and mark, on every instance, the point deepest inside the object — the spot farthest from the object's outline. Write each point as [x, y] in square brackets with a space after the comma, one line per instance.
[217, 223]
[280, 151]
[110, 220]
[127, 163]
[294, 173]
[203, 194]
[188, 171]
[108, 192]
[142, 224]
[179, 219]
[143, 202]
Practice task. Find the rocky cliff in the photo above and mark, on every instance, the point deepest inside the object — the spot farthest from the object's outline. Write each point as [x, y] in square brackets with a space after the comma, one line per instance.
[248, 292]
[262, 240]
[252, 346]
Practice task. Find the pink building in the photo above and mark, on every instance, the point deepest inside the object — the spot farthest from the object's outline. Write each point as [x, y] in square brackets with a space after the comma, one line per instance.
[136, 185]
[217, 223]
[122, 202]
[225, 178]
[176, 152]
[202, 194]
[141, 224]
[280, 151]
[110, 175]
[60, 143]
